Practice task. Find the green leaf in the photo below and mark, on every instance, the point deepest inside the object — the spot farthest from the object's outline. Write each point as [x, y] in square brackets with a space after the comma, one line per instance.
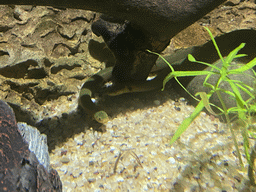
[184, 74]
[238, 96]
[246, 145]
[246, 67]
[252, 108]
[243, 108]
[244, 89]
[190, 73]
[191, 58]
[233, 96]
[240, 55]
[209, 65]
[239, 100]
[233, 53]
[215, 44]
[166, 79]
[235, 109]
[184, 125]
[206, 102]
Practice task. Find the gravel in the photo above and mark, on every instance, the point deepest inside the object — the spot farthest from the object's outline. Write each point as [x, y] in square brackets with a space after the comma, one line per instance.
[134, 153]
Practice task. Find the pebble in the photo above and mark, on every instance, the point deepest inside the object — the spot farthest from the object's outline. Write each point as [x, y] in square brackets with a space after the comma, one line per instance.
[91, 180]
[64, 169]
[171, 160]
[75, 173]
[120, 179]
[177, 120]
[157, 102]
[112, 149]
[95, 154]
[153, 153]
[65, 159]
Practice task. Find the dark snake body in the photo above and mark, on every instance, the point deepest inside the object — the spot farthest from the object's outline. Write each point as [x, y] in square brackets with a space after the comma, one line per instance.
[89, 89]
[94, 85]
[206, 52]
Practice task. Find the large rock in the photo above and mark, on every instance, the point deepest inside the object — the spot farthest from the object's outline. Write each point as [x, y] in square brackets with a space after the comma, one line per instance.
[246, 77]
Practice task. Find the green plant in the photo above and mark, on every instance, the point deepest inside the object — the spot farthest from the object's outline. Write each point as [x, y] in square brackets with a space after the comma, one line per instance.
[243, 108]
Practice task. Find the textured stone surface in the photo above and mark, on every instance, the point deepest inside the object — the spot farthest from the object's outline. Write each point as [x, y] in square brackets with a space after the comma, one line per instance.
[42, 58]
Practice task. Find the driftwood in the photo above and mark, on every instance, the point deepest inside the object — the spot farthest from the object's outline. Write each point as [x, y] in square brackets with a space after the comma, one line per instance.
[19, 167]
[164, 18]
[152, 23]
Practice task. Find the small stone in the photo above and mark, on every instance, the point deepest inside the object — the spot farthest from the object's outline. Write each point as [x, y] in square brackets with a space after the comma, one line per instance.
[91, 180]
[177, 120]
[171, 160]
[91, 163]
[63, 152]
[65, 159]
[79, 140]
[75, 173]
[120, 179]
[95, 154]
[64, 169]
[177, 108]
[182, 99]
[112, 148]
[157, 102]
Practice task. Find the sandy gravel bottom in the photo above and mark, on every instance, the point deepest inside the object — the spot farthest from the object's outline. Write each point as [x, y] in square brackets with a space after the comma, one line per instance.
[134, 153]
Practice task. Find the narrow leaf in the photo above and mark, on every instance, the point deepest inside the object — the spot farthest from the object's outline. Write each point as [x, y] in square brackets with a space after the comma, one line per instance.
[191, 58]
[206, 102]
[249, 65]
[233, 53]
[215, 44]
[184, 125]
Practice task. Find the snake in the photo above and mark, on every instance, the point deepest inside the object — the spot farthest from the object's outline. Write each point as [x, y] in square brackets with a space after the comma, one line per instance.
[94, 85]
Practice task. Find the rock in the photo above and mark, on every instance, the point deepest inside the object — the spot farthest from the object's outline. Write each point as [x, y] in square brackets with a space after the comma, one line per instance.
[247, 78]
[41, 45]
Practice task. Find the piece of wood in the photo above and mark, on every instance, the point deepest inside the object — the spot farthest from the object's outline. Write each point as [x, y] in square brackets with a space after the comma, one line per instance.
[164, 18]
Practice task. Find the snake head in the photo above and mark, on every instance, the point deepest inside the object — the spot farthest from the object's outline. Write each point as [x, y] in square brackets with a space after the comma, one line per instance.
[101, 117]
